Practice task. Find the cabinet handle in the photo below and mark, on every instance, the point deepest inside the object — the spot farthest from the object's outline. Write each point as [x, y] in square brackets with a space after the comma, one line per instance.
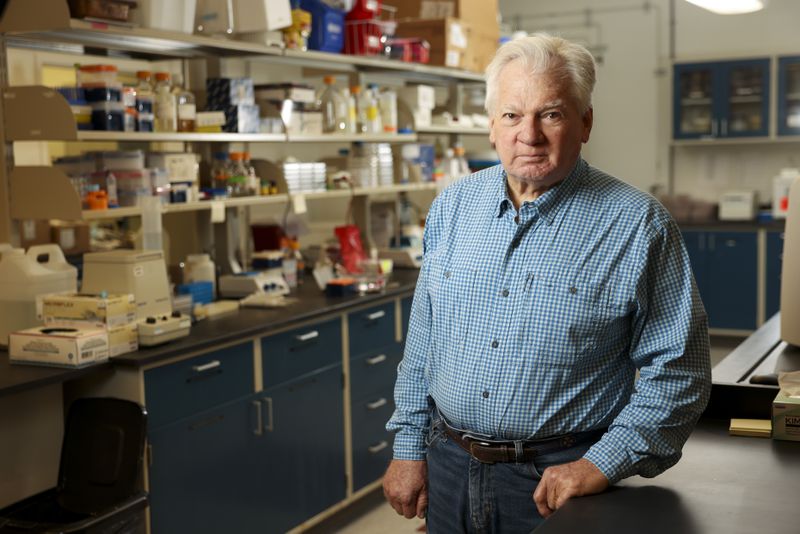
[374, 316]
[379, 447]
[730, 243]
[259, 430]
[269, 427]
[375, 360]
[714, 128]
[206, 366]
[307, 336]
[724, 127]
[376, 404]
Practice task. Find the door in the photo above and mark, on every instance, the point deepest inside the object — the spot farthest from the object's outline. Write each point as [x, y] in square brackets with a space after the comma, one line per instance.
[300, 455]
[744, 100]
[730, 288]
[789, 95]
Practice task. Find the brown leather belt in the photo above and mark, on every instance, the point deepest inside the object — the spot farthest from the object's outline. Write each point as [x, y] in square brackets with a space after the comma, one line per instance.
[490, 452]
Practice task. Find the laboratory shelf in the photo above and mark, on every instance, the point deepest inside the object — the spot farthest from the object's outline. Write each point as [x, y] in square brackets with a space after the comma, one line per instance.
[463, 130]
[189, 137]
[119, 213]
[347, 138]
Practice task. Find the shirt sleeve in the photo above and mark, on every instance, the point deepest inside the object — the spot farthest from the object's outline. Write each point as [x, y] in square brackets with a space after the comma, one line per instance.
[670, 347]
[411, 417]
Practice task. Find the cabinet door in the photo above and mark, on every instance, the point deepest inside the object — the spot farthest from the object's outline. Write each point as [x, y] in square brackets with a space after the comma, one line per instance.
[693, 101]
[372, 443]
[744, 98]
[200, 474]
[730, 288]
[300, 455]
[789, 95]
[774, 266]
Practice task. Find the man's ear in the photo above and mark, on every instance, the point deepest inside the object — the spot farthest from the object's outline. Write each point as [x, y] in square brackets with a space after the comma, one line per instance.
[588, 119]
[491, 131]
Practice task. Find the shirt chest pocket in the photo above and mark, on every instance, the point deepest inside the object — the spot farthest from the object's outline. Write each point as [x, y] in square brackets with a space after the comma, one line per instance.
[564, 320]
[453, 306]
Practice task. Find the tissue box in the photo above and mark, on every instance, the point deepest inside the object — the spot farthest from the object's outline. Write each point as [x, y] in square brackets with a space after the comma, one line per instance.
[111, 311]
[786, 417]
[59, 346]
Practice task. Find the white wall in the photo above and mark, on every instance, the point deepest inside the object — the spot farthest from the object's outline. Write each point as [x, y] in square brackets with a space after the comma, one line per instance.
[632, 132]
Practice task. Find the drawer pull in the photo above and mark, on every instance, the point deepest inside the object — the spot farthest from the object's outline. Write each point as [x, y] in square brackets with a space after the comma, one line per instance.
[308, 336]
[207, 422]
[376, 315]
[259, 429]
[206, 366]
[378, 448]
[269, 426]
[375, 360]
[377, 404]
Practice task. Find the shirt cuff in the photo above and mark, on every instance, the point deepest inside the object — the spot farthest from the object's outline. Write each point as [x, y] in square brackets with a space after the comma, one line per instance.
[409, 445]
[611, 459]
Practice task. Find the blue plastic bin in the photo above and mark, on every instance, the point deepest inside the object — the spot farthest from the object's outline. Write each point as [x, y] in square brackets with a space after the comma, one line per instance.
[327, 26]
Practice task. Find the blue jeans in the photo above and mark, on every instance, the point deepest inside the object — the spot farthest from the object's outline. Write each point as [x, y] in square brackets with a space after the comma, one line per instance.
[470, 497]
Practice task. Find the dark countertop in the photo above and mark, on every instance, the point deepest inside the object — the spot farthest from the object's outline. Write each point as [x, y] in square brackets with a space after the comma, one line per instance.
[776, 225]
[723, 484]
[248, 322]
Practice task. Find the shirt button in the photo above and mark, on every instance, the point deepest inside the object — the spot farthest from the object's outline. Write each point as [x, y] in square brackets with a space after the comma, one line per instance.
[447, 274]
[505, 292]
[573, 290]
[485, 394]
[495, 344]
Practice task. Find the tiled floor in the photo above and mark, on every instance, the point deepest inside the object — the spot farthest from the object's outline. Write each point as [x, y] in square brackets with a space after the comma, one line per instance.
[372, 515]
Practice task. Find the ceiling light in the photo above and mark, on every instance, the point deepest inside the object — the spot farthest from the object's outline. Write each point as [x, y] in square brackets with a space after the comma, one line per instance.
[730, 7]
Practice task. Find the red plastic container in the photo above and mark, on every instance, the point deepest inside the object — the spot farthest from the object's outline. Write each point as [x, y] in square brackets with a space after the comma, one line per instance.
[409, 49]
[365, 10]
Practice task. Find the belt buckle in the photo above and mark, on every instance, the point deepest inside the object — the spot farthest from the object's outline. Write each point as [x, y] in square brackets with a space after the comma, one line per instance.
[474, 442]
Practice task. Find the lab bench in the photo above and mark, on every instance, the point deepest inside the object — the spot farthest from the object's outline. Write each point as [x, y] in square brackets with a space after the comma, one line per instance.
[261, 421]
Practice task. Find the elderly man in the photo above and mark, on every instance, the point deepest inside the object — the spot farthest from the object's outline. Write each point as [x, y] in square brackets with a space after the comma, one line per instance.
[545, 285]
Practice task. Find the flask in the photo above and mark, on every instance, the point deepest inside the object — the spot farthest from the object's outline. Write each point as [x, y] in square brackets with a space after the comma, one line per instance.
[186, 107]
[253, 182]
[238, 175]
[372, 110]
[360, 108]
[289, 264]
[294, 244]
[165, 109]
[334, 108]
[220, 172]
[145, 104]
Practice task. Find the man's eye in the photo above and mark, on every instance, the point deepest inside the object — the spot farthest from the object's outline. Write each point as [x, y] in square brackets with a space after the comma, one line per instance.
[552, 115]
[509, 116]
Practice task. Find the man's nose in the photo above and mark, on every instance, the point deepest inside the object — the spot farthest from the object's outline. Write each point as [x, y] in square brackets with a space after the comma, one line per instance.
[530, 131]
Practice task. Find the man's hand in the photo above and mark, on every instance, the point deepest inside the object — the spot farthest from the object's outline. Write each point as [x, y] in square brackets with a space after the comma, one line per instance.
[562, 482]
[405, 486]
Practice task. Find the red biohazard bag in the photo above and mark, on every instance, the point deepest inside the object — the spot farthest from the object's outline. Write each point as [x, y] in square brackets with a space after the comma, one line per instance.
[352, 250]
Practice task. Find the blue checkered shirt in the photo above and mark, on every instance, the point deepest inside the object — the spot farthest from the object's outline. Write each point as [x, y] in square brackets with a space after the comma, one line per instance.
[535, 327]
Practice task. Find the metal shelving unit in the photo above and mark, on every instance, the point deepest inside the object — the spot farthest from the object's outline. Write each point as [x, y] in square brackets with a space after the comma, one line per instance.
[40, 114]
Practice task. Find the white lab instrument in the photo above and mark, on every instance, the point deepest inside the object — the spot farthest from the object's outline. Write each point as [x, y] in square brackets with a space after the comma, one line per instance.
[738, 205]
[246, 283]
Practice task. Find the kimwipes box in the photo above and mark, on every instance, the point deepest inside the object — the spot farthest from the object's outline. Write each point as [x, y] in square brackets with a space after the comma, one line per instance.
[59, 346]
[786, 417]
[110, 310]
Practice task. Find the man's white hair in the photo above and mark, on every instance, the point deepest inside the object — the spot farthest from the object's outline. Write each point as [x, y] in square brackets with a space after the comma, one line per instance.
[544, 53]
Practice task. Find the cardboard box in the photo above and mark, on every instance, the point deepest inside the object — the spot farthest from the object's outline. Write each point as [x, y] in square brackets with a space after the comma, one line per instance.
[478, 13]
[418, 96]
[222, 93]
[123, 339]
[482, 47]
[74, 346]
[111, 311]
[72, 237]
[34, 232]
[448, 39]
[261, 15]
[786, 417]
[180, 167]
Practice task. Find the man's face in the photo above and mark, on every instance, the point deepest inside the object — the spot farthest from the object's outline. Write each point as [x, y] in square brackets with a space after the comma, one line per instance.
[537, 126]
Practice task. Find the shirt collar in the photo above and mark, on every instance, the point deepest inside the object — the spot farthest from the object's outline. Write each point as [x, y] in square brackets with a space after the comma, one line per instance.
[549, 203]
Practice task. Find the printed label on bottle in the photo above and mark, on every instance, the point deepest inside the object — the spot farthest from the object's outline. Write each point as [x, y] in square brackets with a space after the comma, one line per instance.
[187, 111]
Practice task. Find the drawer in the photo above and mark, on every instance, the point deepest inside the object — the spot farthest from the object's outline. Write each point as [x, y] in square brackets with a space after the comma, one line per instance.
[371, 328]
[300, 351]
[374, 372]
[190, 386]
[372, 443]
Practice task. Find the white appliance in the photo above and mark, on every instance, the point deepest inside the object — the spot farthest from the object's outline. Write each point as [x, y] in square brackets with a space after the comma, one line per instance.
[738, 206]
[243, 284]
[142, 273]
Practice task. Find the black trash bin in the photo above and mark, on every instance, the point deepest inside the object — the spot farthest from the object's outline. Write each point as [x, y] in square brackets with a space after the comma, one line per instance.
[99, 476]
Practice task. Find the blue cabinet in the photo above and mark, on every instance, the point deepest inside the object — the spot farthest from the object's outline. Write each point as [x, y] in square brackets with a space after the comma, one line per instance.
[201, 474]
[721, 99]
[725, 267]
[299, 456]
[789, 95]
[774, 264]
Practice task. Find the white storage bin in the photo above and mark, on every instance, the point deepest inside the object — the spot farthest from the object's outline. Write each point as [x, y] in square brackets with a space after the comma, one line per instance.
[169, 15]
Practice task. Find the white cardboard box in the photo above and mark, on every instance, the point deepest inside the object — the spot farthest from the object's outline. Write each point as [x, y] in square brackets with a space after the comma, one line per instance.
[60, 346]
[418, 96]
[786, 417]
[111, 310]
[261, 15]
